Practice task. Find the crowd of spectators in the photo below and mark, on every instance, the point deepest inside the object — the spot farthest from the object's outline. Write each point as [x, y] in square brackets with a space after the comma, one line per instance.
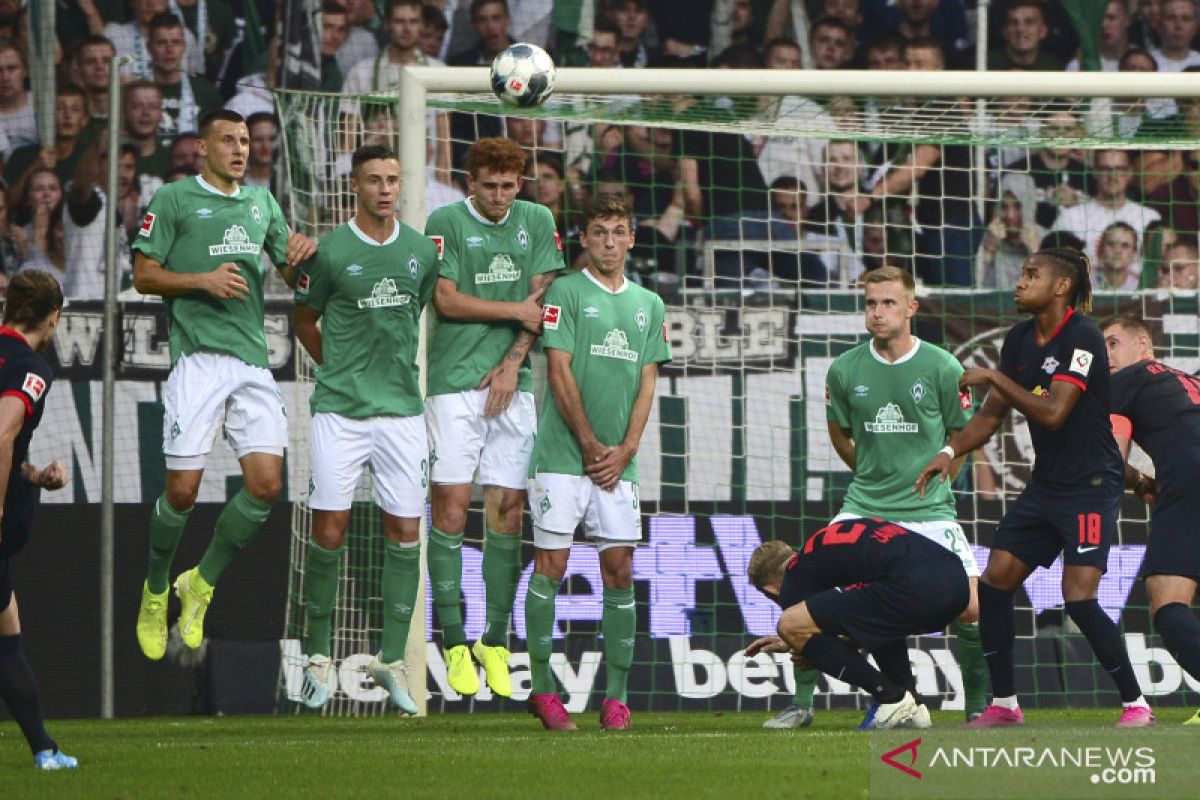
[742, 209]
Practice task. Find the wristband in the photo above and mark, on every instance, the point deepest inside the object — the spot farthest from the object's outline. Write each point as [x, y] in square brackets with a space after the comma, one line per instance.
[948, 450]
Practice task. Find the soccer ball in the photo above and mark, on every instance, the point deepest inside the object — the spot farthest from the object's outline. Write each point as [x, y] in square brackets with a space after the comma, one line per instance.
[523, 75]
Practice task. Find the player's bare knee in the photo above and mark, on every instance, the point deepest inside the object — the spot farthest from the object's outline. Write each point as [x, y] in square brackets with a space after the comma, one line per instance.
[796, 626]
[1080, 583]
[1163, 590]
[504, 508]
[551, 563]
[182, 490]
[265, 488]
[616, 567]
[401, 529]
[450, 519]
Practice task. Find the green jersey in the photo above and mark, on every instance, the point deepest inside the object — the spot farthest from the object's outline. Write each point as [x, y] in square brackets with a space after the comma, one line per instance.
[491, 261]
[899, 415]
[192, 227]
[369, 296]
[610, 336]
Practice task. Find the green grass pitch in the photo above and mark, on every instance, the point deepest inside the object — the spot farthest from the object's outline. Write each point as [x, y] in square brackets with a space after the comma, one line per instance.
[685, 755]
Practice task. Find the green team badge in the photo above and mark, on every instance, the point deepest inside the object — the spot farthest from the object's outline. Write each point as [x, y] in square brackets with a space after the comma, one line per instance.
[545, 504]
[175, 431]
[256, 213]
[384, 295]
[640, 319]
[523, 238]
[414, 266]
[616, 345]
[890, 419]
[501, 270]
[918, 390]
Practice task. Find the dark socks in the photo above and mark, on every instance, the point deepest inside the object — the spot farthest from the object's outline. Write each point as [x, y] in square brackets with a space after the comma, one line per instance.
[839, 660]
[893, 662]
[1180, 630]
[18, 688]
[1105, 638]
[997, 633]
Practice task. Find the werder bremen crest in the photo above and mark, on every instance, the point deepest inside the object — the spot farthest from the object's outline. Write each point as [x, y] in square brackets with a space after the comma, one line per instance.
[523, 237]
[384, 295]
[501, 270]
[616, 345]
[640, 319]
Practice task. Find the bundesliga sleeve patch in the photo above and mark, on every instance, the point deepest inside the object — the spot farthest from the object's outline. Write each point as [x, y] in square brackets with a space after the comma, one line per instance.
[550, 317]
[666, 336]
[147, 225]
[828, 396]
[1081, 362]
[557, 241]
[440, 242]
[302, 283]
[34, 386]
[964, 399]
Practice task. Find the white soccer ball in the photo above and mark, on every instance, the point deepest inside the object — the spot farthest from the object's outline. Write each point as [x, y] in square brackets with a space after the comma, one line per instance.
[523, 75]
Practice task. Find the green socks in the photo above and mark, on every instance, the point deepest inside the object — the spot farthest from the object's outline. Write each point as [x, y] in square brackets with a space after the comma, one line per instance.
[445, 577]
[619, 626]
[539, 630]
[501, 573]
[806, 685]
[238, 524]
[973, 665]
[320, 591]
[166, 529]
[401, 574]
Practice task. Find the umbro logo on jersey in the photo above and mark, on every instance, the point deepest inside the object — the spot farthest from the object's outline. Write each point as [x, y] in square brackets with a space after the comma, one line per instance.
[861, 391]
[474, 241]
[204, 213]
[354, 269]
[1050, 364]
[591, 312]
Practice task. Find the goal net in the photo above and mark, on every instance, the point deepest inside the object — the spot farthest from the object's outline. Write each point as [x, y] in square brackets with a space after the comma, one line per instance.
[758, 204]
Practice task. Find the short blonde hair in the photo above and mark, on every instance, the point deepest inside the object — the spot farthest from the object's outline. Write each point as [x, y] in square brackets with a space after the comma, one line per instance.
[892, 274]
[767, 562]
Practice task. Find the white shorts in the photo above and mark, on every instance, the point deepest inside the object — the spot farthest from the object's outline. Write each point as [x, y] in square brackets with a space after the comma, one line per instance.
[393, 448]
[558, 503]
[205, 386]
[463, 441]
[948, 533]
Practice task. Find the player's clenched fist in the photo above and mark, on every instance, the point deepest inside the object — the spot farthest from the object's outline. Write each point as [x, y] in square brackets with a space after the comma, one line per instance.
[226, 283]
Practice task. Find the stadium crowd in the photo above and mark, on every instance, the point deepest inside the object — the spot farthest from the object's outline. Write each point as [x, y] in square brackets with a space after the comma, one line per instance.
[829, 209]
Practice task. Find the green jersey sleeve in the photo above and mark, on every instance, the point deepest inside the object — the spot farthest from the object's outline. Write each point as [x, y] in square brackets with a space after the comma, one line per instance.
[837, 404]
[157, 232]
[429, 276]
[558, 321]
[658, 346]
[312, 285]
[547, 244]
[275, 243]
[955, 403]
[440, 228]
